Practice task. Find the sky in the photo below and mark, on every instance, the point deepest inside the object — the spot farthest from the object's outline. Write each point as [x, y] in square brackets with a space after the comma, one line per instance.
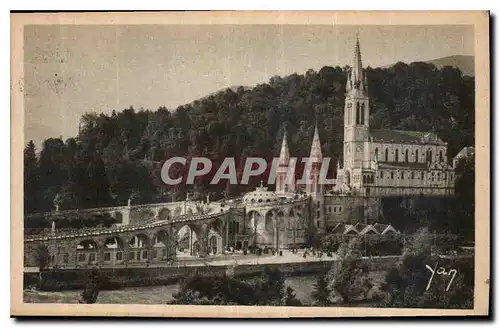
[71, 70]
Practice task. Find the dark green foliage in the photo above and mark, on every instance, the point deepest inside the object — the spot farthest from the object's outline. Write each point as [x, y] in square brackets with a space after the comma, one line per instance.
[119, 155]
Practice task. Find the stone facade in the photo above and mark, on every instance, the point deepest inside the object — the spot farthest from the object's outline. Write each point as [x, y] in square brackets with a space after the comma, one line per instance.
[388, 162]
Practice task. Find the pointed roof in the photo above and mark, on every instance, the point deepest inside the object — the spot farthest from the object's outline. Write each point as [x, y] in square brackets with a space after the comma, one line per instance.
[316, 156]
[357, 76]
[284, 153]
[466, 152]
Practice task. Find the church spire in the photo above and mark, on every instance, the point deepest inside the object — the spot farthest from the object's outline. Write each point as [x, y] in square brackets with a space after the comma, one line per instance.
[316, 156]
[357, 76]
[284, 153]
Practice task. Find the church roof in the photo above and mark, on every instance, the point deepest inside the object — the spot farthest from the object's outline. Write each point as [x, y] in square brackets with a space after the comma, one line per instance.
[402, 165]
[405, 137]
[466, 152]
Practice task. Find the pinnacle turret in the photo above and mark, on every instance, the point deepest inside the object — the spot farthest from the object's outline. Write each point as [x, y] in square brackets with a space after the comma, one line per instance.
[316, 156]
[357, 78]
[284, 153]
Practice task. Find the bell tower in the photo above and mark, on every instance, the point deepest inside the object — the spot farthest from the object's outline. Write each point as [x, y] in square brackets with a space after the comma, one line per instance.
[356, 124]
[314, 186]
[284, 183]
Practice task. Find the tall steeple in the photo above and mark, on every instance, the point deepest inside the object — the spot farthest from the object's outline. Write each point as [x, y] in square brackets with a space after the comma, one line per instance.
[357, 78]
[283, 184]
[357, 160]
[316, 155]
[315, 187]
[284, 153]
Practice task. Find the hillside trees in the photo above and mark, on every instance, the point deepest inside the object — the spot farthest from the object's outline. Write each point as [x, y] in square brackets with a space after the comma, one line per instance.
[409, 283]
[118, 154]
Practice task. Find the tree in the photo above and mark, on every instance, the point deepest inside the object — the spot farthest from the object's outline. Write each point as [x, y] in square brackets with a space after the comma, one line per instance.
[349, 275]
[115, 150]
[91, 292]
[407, 284]
[463, 207]
[290, 298]
[321, 292]
[271, 287]
[31, 178]
[42, 258]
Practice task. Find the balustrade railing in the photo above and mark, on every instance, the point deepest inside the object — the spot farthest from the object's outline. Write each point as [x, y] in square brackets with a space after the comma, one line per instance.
[65, 233]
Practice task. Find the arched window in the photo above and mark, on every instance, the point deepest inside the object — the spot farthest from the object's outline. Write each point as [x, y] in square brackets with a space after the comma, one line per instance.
[406, 156]
[441, 156]
[423, 175]
[376, 153]
[362, 121]
[396, 156]
[412, 175]
[358, 114]
[416, 156]
[381, 174]
[349, 113]
[386, 155]
[428, 157]
[392, 175]
[402, 174]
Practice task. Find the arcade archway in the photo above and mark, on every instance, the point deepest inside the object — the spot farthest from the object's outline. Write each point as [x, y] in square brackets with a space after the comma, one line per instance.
[138, 249]
[86, 253]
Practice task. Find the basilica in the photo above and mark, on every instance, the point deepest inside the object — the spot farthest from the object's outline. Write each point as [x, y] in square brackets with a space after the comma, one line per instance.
[375, 164]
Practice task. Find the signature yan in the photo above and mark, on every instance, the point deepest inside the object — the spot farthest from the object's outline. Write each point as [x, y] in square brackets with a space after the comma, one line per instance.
[441, 271]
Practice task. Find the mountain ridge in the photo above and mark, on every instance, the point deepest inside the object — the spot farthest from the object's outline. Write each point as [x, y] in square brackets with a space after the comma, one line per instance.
[464, 63]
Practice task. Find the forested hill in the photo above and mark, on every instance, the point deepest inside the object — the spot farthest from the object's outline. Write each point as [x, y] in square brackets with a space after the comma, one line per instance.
[112, 157]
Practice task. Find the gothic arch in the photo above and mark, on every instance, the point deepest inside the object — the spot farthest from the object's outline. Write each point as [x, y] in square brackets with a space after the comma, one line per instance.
[362, 121]
[113, 243]
[113, 250]
[253, 217]
[349, 113]
[86, 252]
[429, 155]
[161, 238]
[358, 116]
[138, 241]
[347, 177]
[269, 222]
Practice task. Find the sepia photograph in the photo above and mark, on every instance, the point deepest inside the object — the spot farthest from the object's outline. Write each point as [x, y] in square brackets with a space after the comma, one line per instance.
[272, 164]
